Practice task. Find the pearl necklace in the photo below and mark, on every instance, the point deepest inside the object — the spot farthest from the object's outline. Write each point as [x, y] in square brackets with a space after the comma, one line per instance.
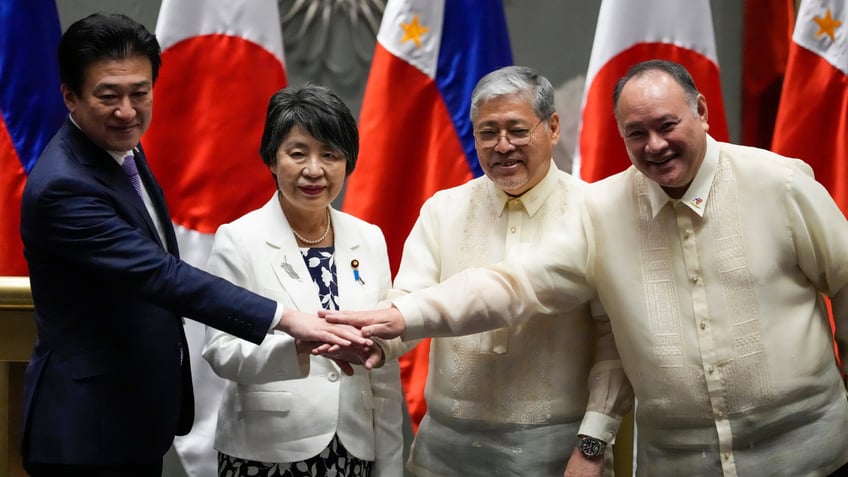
[319, 239]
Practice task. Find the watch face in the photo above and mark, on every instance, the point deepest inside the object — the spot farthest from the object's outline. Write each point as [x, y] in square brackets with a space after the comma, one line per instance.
[591, 447]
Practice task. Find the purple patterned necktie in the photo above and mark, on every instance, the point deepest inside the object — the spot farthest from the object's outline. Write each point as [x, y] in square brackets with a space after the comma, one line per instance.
[131, 171]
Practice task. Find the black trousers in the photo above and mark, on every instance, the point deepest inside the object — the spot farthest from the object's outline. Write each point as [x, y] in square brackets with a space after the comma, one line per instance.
[152, 469]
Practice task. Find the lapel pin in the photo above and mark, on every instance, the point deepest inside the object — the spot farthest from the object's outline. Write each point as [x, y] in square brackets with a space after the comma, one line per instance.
[354, 264]
[697, 202]
[289, 269]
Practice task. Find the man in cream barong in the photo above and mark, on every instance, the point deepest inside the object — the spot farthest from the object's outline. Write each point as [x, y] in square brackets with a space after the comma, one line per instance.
[711, 261]
[511, 401]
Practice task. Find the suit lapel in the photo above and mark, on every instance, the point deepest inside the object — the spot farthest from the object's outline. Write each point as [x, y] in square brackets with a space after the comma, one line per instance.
[109, 174]
[158, 199]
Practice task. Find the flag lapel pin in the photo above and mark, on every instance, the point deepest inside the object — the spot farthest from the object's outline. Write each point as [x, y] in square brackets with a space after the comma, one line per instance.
[354, 264]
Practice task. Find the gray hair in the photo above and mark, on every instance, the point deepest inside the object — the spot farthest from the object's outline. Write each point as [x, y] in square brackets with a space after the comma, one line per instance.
[515, 80]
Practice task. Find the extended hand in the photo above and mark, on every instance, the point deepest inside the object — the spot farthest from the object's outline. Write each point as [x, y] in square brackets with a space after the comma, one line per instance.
[370, 358]
[344, 357]
[386, 323]
[310, 328]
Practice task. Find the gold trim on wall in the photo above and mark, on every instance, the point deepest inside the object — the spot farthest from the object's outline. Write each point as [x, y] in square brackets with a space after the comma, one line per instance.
[17, 338]
[15, 294]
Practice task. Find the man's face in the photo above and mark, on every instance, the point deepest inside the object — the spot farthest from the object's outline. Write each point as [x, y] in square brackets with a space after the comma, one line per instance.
[115, 102]
[515, 169]
[664, 137]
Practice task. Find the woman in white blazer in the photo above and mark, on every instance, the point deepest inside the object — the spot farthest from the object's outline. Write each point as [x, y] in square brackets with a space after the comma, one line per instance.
[286, 412]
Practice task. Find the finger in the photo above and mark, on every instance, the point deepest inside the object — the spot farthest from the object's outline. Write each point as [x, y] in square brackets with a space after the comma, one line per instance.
[354, 335]
[333, 339]
[333, 348]
[346, 319]
[373, 360]
[323, 348]
[350, 329]
[342, 336]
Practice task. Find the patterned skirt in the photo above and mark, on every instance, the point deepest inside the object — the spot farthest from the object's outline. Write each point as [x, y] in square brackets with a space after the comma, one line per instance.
[333, 461]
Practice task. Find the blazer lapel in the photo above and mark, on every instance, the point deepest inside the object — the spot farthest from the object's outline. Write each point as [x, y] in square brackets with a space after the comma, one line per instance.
[347, 239]
[286, 261]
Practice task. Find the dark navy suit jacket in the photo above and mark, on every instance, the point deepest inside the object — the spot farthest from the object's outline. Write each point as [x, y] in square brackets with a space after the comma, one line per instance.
[109, 381]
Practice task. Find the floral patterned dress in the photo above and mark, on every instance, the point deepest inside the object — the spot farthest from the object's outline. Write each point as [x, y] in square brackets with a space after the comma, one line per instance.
[334, 460]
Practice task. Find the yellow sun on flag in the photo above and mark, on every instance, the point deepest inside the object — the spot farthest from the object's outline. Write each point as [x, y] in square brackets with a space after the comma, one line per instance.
[413, 31]
[827, 25]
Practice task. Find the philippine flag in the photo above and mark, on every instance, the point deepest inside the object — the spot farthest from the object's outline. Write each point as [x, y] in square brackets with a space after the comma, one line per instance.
[629, 32]
[812, 121]
[221, 62]
[415, 133]
[31, 110]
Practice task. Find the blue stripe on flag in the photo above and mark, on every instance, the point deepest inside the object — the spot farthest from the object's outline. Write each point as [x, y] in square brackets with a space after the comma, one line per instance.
[30, 100]
[475, 41]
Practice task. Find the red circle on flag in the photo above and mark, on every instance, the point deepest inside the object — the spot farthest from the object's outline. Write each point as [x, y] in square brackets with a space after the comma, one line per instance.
[203, 143]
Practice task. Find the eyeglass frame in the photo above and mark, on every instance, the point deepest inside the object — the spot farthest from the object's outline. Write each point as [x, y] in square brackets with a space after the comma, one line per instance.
[505, 133]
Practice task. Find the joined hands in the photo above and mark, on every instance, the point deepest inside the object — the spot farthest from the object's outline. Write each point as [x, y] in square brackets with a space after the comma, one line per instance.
[384, 323]
[343, 336]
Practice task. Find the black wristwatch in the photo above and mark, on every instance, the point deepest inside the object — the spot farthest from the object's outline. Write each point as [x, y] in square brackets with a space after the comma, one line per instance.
[590, 447]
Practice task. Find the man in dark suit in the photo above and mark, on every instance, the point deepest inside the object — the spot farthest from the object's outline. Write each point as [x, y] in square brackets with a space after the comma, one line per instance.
[109, 384]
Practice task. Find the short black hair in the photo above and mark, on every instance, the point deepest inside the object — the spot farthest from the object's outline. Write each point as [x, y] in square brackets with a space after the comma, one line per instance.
[317, 110]
[102, 36]
[675, 70]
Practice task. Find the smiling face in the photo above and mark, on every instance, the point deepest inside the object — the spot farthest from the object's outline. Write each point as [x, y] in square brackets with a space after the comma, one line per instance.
[515, 169]
[309, 173]
[665, 138]
[115, 102]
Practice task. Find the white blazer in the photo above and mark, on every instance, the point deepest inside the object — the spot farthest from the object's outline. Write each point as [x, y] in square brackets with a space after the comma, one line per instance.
[279, 406]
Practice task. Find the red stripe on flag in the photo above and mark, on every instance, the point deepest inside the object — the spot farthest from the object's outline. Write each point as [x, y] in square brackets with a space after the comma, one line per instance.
[408, 150]
[12, 180]
[812, 123]
[203, 142]
[767, 36]
[602, 151]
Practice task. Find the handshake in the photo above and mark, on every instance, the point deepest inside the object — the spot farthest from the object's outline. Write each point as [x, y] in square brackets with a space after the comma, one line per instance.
[343, 336]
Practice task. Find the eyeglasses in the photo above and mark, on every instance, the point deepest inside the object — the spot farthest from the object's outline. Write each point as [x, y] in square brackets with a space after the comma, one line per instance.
[489, 137]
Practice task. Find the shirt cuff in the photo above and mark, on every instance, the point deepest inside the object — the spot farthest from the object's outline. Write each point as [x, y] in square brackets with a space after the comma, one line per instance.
[411, 316]
[278, 314]
[599, 426]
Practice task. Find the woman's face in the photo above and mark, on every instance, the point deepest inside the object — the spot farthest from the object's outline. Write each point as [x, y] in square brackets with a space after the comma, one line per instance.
[310, 174]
